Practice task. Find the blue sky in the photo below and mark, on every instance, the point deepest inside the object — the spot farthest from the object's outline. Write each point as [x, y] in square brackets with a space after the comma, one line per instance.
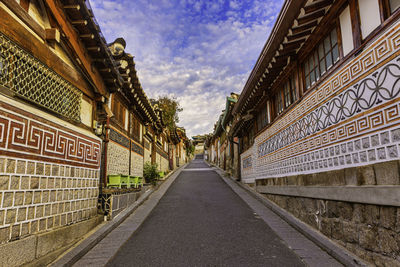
[195, 50]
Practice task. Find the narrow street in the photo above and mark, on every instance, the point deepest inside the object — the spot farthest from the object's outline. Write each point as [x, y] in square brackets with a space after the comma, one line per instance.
[200, 221]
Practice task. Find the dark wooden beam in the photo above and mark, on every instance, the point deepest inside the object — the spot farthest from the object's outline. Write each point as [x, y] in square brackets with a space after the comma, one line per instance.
[72, 7]
[293, 45]
[25, 4]
[82, 22]
[76, 45]
[23, 15]
[304, 27]
[355, 23]
[299, 35]
[317, 6]
[311, 17]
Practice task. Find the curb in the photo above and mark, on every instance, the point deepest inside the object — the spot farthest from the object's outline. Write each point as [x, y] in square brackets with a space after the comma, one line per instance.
[341, 255]
[72, 256]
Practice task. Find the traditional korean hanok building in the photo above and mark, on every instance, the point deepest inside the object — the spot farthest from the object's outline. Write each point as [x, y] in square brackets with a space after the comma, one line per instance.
[226, 145]
[134, 136]
[198, 142]
[54, 83]
[319, 121]
[160, 151]
[177, 147]
[132, 112]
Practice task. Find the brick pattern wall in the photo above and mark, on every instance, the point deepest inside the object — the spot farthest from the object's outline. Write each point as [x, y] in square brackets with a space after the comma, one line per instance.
[117, 159]
[136, 165]
[147, 155]
[37, 196]
[49, 171]
[164, 164]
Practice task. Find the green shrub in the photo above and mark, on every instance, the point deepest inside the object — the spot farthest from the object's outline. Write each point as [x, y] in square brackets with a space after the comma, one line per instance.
[150, 173]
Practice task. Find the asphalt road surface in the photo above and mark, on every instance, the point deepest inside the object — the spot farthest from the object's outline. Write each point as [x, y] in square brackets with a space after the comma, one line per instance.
[200, 221]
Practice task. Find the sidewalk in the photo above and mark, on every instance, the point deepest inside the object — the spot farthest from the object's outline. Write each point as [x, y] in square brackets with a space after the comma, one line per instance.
[131, 217]
[310, 245]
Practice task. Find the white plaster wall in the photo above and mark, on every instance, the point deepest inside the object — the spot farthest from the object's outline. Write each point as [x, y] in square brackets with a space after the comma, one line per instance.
[346, 31]
[86, 112]
[369, 16]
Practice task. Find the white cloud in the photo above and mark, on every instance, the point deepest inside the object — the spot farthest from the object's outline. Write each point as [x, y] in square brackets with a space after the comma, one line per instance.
[196, 50]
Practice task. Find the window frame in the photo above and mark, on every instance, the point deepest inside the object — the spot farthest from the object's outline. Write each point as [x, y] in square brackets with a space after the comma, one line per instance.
[312, 77]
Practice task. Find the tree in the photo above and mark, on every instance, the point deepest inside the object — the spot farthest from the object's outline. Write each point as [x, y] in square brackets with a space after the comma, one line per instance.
[170, 108]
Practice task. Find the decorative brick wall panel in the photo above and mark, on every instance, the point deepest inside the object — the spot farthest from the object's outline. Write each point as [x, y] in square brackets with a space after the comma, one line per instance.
[164, 164]
[147, 155]
[117, 159]
[49, 172]
[136, 164]
[351, 119]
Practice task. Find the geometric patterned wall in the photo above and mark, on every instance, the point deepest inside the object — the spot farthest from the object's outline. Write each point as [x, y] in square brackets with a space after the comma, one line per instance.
[49, 173]
[351, 119]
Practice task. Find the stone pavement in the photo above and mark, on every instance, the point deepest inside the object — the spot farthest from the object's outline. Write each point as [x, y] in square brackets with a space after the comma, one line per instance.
[200, 221]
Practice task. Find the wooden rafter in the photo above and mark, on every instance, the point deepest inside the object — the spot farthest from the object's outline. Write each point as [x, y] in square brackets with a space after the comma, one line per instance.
[317, 6]
[76, 44]
[311, 17]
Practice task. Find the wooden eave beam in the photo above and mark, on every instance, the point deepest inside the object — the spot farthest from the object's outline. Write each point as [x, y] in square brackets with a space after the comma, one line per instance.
[20, 12]
[299, 35]
[77, 45]
[311, 17]
[304, 27]
[293, 45]
[289, 13]
[317, 6]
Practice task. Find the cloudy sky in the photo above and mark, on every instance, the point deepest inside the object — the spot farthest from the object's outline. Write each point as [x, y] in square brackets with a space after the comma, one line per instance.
[198, 51]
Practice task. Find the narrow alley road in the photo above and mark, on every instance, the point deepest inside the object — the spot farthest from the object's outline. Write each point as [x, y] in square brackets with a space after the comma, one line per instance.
[200, 221]
[196, 218]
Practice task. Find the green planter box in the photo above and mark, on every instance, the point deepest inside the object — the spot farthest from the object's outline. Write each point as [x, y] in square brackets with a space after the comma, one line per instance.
[140, 181]
[125, 180]
[114, 180]
[134, 181]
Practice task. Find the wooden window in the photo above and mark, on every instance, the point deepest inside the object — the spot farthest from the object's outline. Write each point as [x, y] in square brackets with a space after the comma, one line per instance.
[324, 56]
[278, 102]
[119, 111]
[262, 117]
[135, 128]
[289, 89]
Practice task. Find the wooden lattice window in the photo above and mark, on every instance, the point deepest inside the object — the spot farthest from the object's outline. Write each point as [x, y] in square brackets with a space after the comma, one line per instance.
[135, 127]
[324, 56]
[278, 102]
[262, 117]
[289, 89]
[33, 81]
[118, 110]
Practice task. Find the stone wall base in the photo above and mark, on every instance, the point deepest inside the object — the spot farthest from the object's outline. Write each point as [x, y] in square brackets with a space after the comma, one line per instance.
[372, 232]
[41, 249]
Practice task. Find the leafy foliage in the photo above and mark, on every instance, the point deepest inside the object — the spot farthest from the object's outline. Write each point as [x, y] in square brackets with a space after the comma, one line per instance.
[170, 108]
[150, 173]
